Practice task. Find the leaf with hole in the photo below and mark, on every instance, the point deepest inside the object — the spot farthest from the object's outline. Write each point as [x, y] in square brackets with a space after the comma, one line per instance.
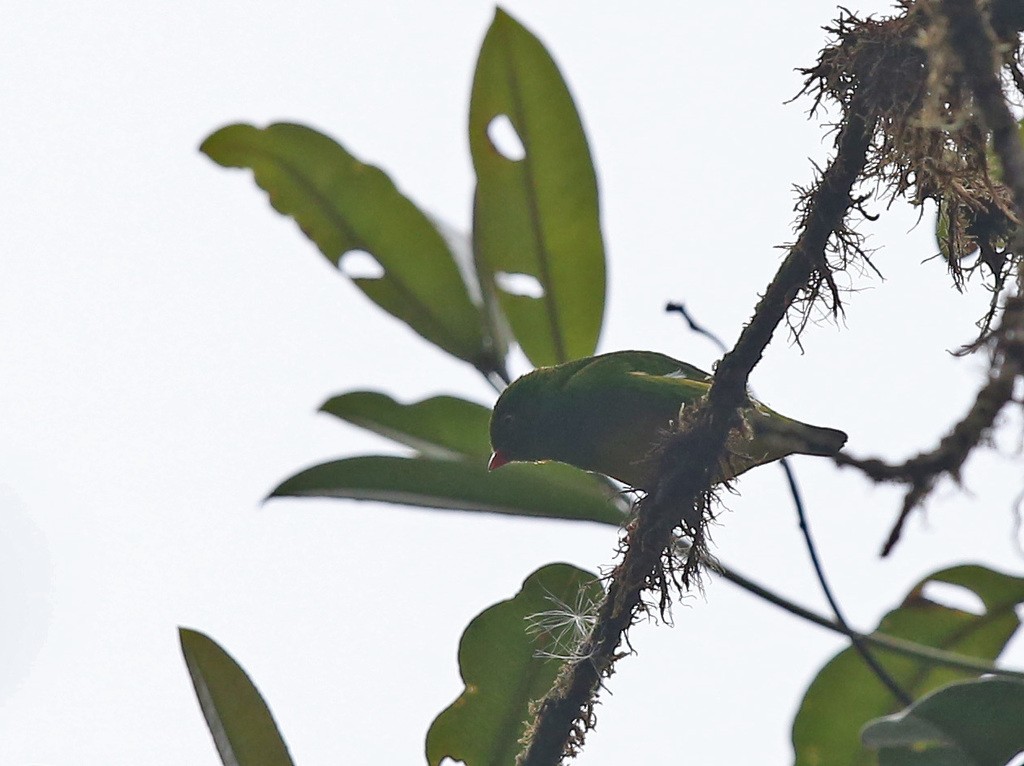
[347, 207]
[549, 490]
[973, 723]
[536, 223]
[505, 661]
[846, 694]
[239, 720]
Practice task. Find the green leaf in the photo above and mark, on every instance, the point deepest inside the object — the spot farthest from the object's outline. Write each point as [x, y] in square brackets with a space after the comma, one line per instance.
[846, 694]
[974, 723]
[441, 427]
[548, 490]
[343, 205]
[499, 662]
[536, 215]
[241, 724]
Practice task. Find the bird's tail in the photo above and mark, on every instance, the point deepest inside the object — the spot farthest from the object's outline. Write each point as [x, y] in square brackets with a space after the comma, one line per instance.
[793, 437]
[818, 440]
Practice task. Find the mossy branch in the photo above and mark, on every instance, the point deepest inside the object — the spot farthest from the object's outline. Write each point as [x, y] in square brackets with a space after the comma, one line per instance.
[682, 496]
[902, 108]
[964, 44]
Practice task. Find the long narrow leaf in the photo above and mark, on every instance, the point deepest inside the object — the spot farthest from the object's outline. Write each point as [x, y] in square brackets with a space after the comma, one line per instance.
[549, 490]
[344, 205]
[442, 427]
[240, 721]
[536, 217]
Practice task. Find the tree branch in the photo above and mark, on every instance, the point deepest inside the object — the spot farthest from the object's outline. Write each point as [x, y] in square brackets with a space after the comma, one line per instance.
[794, 489]
[682, 495]
[858, 644]
[970, 38]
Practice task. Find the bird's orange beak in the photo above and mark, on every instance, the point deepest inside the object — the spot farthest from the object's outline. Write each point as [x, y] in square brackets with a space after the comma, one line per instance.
[497, 461]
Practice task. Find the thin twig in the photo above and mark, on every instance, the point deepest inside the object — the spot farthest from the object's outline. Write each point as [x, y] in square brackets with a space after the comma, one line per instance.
[881, 640]
[699, 329]
[948, 457]
[869, 659]
[794, 489]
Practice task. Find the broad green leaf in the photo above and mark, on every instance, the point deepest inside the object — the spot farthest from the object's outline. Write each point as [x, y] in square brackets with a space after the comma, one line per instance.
[846, 694]
[344, 205]
[536, 215]
[501, 667]
[547, 490]
[442, 427]
[241, 724]
[973, 723]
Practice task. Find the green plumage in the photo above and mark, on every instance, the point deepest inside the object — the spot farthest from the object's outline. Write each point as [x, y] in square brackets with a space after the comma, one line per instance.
[609, 413]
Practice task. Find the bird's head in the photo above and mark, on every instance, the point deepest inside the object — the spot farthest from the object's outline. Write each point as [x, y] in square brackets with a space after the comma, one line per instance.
[521, 422]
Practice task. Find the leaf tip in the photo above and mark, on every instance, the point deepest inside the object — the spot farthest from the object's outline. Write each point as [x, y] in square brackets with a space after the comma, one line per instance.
[188, 637]
[504, 18]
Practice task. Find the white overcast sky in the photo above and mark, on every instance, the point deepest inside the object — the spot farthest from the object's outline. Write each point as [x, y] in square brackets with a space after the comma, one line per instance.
[165, 340]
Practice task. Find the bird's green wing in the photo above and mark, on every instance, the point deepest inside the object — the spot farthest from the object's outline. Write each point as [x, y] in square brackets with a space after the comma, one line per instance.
[661, 365]
[650, 379]
[652, 363]
[618, 406]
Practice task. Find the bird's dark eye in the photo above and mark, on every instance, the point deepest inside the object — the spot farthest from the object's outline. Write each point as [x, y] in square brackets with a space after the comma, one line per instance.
[508, 419]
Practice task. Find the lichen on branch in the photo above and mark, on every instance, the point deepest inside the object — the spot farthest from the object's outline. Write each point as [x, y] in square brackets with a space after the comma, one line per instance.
[930, 141]
[966, 52]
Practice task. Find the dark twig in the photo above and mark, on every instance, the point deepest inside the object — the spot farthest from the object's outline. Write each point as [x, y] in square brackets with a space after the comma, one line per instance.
[948, 457]
[858, 644]
[682, 495]
[699, 329]
[879, 640]
[794, 489]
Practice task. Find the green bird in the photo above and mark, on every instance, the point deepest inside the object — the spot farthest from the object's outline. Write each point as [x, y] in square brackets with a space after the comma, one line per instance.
[609, 414]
